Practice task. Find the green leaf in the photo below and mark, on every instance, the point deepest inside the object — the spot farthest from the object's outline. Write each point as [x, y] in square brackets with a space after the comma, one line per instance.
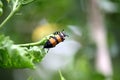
[14, 56]
[1, 11]
[26, 1]
[61, 76]
[30, 78]
[8, 1]
[1, 4]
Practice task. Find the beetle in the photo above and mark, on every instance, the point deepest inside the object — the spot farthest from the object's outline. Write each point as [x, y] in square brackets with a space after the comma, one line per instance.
[58, 36]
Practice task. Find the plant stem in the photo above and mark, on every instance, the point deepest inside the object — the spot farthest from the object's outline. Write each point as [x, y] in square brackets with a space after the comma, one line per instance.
[9, 16]
[29, 44]
[41, 42]
[61, 76]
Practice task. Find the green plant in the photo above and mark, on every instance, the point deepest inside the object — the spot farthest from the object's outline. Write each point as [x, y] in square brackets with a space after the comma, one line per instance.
[19, 55]
[61, 76]
[1, 5]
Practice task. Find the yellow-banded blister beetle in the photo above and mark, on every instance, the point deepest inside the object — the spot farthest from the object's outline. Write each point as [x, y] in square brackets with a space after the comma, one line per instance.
[58, 37]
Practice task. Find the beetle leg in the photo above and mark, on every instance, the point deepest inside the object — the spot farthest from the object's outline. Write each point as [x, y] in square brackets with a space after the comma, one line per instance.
[57, 32]
[47, 50]
[51, 37]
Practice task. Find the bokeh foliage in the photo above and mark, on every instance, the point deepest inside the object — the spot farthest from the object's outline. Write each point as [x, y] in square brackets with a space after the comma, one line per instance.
[67, 12]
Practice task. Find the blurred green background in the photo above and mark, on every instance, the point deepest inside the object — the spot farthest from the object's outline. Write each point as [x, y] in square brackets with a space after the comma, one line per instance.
[92, 50]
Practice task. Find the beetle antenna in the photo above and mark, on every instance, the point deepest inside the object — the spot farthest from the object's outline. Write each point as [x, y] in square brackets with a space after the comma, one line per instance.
[63, 30]
[65, 33]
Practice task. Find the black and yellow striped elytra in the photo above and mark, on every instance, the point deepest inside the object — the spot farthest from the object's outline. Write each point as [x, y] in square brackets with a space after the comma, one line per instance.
[58, 37]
